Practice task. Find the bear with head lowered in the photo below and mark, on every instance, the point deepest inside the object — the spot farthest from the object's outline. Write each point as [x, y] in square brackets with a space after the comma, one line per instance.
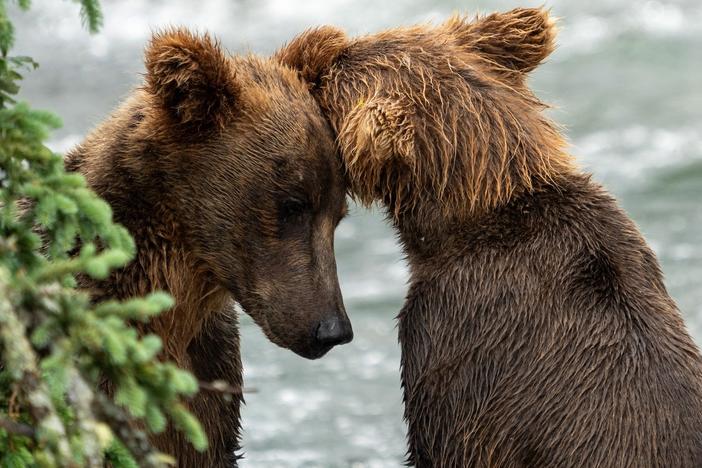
[224, 171]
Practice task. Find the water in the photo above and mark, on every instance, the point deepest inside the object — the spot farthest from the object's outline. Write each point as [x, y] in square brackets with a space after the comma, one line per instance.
[625, 80]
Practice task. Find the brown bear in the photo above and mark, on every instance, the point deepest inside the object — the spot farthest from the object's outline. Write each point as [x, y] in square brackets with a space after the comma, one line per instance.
[537, 331]
[225, 172]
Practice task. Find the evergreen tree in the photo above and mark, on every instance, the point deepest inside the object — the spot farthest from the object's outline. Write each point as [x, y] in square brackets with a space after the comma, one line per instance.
[56, 347]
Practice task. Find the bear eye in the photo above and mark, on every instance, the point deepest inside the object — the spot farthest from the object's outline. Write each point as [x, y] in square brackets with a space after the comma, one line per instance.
[292, 210]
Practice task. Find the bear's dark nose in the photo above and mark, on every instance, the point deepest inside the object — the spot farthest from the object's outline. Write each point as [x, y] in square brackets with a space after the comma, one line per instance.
[334, 331]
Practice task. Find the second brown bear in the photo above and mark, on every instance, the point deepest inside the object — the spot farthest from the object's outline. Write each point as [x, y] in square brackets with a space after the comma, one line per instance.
[537, 330]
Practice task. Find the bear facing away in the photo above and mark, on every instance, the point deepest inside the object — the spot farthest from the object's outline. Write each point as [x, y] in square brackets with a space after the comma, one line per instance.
[225, 172]
[537, 331]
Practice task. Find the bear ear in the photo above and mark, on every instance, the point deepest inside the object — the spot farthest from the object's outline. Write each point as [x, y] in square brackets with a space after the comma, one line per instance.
[192, 78]
[517, 40]
[313, 52]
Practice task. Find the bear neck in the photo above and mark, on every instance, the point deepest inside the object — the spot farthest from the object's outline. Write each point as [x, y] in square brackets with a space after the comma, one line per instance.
[427, 234]
[163, 262]
[200, 333]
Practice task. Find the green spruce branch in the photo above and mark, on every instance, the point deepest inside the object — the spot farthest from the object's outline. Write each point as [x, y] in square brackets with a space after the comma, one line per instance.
[56, 347]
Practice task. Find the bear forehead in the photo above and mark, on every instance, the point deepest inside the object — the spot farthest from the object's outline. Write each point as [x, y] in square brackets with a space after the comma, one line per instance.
[401, 40]
[279, 105]
[394, 61]
[258, 74]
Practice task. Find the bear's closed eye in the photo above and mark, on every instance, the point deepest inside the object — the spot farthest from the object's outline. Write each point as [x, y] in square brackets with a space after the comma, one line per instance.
[293, 210]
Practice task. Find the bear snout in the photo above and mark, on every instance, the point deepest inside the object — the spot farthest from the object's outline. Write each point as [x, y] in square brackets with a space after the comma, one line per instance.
[333, 331]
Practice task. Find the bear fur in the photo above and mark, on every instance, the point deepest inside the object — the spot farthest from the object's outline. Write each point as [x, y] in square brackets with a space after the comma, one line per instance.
[225, 173]
[537, 330]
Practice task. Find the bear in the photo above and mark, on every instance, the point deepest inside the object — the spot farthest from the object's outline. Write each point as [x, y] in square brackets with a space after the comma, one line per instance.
[224, 171]
[537, 330]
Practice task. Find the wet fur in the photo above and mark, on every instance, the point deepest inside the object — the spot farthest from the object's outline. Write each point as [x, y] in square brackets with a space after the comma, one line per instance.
[195, 165]
[537, 330]
[165, 262]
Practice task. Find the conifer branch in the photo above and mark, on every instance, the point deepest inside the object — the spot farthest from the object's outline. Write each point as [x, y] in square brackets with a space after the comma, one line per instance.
[17, 428]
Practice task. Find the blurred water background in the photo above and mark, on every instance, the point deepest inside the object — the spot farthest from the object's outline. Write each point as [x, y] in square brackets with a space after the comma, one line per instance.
[626, 81]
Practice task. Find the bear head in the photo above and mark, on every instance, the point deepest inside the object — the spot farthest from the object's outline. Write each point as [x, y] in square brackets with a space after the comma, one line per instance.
[236, 148]
[436, 122]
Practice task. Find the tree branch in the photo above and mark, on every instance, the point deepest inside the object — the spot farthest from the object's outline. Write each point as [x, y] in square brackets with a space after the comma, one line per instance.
[17, 428]
[221, 386]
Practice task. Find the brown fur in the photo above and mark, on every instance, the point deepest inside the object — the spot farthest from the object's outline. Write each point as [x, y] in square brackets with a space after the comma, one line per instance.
[224, 171]
[173, 59]
[537, 330]
[417, 89]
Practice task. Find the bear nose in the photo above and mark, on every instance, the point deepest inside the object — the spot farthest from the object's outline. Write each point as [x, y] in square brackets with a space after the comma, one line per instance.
[334, 331]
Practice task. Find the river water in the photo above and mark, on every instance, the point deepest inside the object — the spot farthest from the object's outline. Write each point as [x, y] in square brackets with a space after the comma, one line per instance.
[626, 81]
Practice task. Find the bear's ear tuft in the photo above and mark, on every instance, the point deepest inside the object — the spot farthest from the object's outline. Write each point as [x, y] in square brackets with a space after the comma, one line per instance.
[313, 52]
[377, 141]
[192, 78]
[517, 40]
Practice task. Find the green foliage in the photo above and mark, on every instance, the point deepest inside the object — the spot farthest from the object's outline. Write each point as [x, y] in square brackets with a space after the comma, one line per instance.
[91, 14]
[57, 347]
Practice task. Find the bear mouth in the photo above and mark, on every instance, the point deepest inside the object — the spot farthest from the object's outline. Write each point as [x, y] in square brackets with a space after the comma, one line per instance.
[306, 348]
[314, 352]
